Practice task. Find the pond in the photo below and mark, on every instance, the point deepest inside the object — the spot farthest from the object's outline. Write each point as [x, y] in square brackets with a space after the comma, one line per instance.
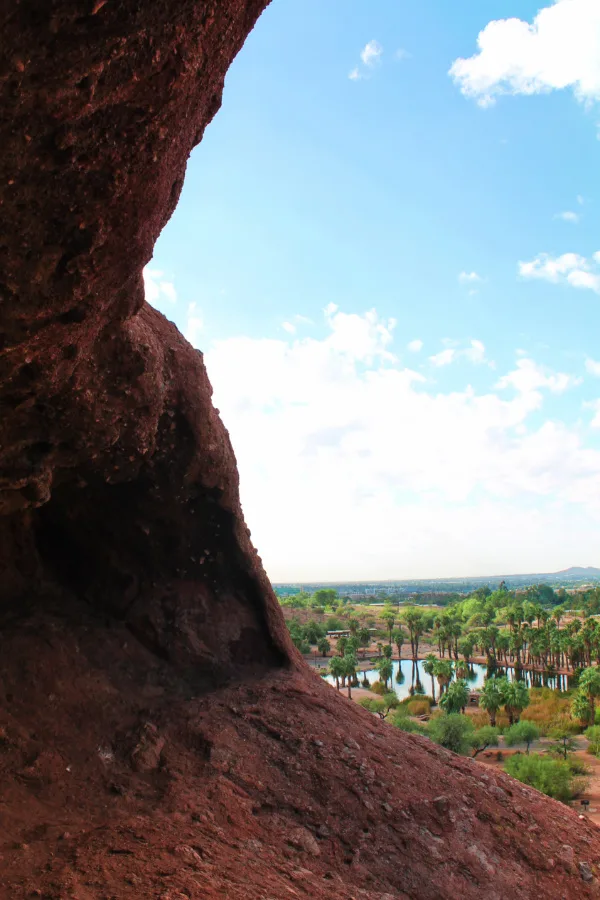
[409, 678]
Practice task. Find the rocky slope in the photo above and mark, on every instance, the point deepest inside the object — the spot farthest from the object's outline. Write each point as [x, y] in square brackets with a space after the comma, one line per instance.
[159, 736]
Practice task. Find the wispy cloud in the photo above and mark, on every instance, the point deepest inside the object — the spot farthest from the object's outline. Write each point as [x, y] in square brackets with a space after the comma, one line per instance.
[371, 53]
[568, 216]
[370, 57]
[469, 278]
[558, 50]
[474, 353]
[569, 268]
[159, 291]
[592, 367]
[194, 325]
[415, 346]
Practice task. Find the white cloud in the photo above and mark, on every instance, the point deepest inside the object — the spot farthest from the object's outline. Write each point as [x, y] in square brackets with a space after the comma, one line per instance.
[159, 291]
[287, 326]
[443, 358]
[194, 325]
[474, 353]
[529, 377]
[370, 56]
[595, 405]
[371, 53]
[568, 216]
[592, 367]
[559, 49]
[415, 346]
[469, 278]
[570, 268]
[352, 466]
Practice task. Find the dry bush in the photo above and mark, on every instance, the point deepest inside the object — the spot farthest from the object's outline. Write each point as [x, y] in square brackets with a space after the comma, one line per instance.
[547, 709]
[421, 707]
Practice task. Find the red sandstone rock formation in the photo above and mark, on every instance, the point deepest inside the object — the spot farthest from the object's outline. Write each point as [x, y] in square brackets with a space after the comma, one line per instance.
[158, 735]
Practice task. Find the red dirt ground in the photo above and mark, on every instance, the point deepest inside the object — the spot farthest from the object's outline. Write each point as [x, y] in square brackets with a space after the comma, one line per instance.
[117, 784]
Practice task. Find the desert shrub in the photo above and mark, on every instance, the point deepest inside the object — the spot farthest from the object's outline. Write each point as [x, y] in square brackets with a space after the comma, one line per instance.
[549, 776]
[400, 720]
[593, 736]
[334, 624]
[453, 731]
[420, 707]
[378, 688]
[380, 707]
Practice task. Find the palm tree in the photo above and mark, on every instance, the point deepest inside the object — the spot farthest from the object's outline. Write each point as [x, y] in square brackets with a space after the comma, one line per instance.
[589, 685]
[323, 646]
[390, 620]
[443, 671]
[429, 669]
[341, 645]
[456, 697]
[491, 699]
[349, 662]
[398, 638]
[337, 667]
[385, 668]
[515, 695]
[364, 636]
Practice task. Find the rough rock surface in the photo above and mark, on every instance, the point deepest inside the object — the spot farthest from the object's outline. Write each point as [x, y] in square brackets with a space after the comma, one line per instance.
[159, 736]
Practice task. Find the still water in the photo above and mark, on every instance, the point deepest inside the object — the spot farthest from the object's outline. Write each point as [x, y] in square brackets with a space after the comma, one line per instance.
[409, 678]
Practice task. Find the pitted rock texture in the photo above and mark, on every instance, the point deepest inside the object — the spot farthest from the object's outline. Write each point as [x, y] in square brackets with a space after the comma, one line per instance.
[159, 736]
[118, 780]
[118, 483]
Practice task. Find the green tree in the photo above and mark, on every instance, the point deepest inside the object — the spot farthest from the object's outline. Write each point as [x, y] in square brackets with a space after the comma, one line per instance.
[491, 699]
[484, 737]
[323, 646]
[324, 597]
[515, 696]
[381, 707]
[443, 670]
[349, 662]
[337, 667]
[589, 684]
[429, 669]
[455, 698]
[389, 618]
[580, 708]
[398, 638]
[387, 651]
[385, 668]
[341, 645]
[562, 732]
[364, 636]
[523, 732]
[416, 622]
[454, 732]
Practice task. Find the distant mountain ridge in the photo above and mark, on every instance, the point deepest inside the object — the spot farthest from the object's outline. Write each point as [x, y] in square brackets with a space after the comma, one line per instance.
[579, 570]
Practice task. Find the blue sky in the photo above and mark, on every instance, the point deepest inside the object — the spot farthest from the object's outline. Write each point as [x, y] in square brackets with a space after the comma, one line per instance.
[439, 194]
